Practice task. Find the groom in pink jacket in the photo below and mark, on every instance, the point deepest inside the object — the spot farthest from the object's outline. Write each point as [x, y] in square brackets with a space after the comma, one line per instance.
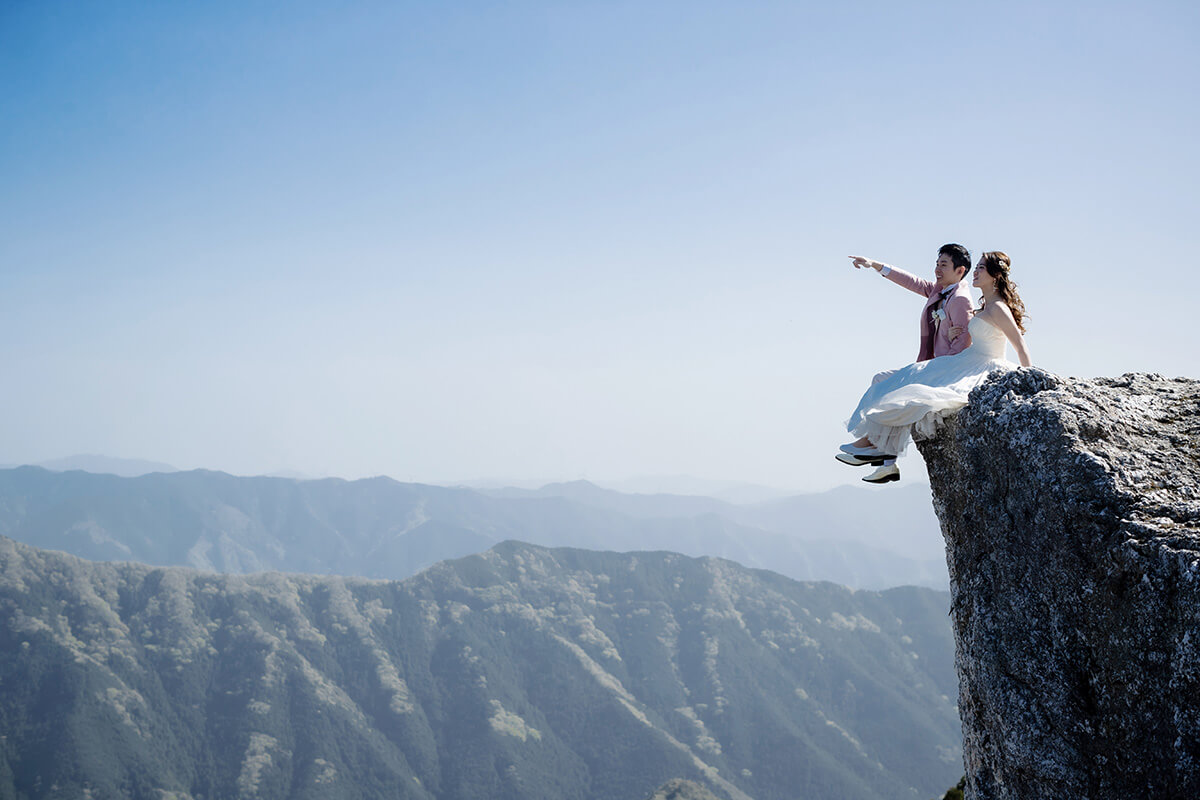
[947, 299]
[948, 306]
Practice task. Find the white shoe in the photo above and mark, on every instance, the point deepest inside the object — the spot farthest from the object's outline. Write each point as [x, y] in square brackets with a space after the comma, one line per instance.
[864, 452]
[885, 474]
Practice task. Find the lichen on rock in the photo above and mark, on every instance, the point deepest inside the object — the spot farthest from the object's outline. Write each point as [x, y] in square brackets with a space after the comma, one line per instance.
[1071, 513]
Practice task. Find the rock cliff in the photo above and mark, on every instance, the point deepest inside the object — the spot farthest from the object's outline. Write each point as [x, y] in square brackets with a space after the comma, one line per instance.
[1071, 512]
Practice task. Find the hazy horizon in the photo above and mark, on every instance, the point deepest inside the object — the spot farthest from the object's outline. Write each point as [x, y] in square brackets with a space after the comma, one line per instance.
[733, 491]
[591, 241]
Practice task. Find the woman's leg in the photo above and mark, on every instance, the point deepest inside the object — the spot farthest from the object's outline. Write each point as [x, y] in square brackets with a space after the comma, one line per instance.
[863, 441]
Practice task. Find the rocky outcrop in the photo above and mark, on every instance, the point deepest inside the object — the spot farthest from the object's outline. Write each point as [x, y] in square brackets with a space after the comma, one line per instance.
[680, 789]
[1071, 512]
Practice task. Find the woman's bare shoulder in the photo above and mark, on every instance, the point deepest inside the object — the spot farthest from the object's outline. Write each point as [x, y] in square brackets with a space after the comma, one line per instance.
[996, 308]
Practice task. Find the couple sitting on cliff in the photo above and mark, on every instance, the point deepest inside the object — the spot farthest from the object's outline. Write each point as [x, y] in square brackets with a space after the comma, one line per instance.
[960, 345]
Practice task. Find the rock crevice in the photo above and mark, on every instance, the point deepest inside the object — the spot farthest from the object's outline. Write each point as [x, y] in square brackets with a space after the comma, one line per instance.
[1071, 512]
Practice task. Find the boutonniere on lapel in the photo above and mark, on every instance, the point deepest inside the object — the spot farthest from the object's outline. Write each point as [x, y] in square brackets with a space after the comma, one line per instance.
[938, 316]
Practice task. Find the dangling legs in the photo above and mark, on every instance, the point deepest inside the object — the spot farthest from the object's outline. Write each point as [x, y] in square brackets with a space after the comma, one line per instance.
[863, 442]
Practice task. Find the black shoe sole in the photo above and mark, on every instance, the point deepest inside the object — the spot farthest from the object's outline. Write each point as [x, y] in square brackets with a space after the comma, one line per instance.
[873, 462]
[895, 476]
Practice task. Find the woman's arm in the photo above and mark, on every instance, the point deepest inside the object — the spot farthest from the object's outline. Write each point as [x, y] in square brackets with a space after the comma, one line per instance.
[1002, 318]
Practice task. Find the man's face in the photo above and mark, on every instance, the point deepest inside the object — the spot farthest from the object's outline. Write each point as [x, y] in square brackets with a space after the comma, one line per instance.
[944, 272]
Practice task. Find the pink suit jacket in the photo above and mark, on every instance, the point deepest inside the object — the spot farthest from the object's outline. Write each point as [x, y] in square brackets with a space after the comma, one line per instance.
[935, 339]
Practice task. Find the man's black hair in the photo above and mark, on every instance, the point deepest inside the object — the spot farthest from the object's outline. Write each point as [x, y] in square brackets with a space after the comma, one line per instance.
[960, 255]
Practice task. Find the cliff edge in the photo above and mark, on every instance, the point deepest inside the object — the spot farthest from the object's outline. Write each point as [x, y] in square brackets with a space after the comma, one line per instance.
[1071, 512]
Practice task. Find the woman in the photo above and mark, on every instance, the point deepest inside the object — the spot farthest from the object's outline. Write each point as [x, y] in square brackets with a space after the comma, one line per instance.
[916, 398]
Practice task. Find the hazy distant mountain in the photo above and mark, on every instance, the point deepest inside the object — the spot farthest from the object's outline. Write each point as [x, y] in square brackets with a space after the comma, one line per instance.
[645, 506]
[383, 529]
[900, 520]
[106, 465]
[727, 491]
[520, 673]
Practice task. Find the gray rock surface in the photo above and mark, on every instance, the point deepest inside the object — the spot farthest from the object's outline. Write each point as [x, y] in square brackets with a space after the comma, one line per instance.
[680, 789]
[1071, 512]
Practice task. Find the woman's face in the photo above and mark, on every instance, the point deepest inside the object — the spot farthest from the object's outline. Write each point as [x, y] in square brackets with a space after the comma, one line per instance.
[982, 280]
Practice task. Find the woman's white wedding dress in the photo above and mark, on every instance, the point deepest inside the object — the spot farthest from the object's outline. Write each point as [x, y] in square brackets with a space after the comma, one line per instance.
[914, 400]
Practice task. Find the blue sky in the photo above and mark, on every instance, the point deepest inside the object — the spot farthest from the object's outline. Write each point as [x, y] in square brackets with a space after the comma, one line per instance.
[553, 241]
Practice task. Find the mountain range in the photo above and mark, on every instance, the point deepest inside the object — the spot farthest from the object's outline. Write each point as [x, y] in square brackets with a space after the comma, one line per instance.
[380, 528]
[107, 465]
[521, 672]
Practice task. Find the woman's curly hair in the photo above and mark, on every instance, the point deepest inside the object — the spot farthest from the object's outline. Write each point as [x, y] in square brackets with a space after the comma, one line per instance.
[998, 265]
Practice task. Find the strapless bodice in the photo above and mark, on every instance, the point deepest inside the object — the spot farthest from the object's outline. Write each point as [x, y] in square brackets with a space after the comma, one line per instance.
[986, 339]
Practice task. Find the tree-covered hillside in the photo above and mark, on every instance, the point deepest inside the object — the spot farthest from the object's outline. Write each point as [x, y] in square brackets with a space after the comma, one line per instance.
[519, 673]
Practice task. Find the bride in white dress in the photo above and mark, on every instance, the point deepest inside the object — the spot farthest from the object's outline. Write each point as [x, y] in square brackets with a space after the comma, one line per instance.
[913, 401]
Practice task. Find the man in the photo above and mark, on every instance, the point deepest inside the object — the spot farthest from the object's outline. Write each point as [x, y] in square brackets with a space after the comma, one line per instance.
[948, 306]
